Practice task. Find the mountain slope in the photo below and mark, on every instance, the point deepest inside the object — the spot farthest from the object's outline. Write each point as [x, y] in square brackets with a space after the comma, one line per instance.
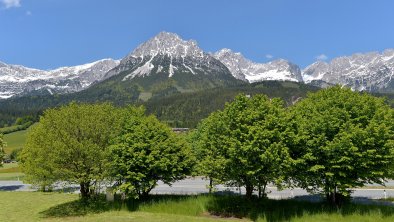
[167, 64]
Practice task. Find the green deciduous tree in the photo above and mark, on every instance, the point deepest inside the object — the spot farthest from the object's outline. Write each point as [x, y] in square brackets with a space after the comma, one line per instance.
[70, 144]
[145, 152]
[343, 139]
[247, 138]
[208, 145]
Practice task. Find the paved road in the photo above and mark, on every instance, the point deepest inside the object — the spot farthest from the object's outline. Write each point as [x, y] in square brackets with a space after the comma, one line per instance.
[199, 185]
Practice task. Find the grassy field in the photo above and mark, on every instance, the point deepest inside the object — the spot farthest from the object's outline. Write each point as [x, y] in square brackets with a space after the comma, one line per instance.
[10, 171]
[15, 140]
[35, 206]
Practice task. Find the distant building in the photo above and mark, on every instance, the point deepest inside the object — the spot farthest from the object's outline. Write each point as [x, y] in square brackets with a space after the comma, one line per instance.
[180, 130]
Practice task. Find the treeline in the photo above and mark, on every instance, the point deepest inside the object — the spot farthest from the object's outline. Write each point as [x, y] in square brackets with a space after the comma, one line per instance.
[177, 109]
[14, 108]
[169, 105]
[330, 142]
[21, 123]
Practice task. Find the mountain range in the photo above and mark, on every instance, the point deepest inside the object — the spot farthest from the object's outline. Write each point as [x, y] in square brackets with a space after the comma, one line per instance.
[20, 80]
[167, 64]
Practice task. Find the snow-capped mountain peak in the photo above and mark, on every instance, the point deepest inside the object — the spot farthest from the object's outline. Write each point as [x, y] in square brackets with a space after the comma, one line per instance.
[2, 64]
[167, 53]
[170, 44]
[169, 56]
[372, 71]
[315, 71]
[17, 79]
[244, 69]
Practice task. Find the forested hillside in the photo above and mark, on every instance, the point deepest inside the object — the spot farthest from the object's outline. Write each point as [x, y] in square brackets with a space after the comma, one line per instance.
[177, 109]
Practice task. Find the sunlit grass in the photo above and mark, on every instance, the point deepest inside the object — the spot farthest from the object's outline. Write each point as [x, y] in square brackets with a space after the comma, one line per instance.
[15, 140]
[11, 176]
[11, 171]
[68, 207]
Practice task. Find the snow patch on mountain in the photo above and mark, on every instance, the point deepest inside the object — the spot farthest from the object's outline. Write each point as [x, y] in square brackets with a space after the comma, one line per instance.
[169, 53]
[371, 71]
[16, 79]
[246, 70]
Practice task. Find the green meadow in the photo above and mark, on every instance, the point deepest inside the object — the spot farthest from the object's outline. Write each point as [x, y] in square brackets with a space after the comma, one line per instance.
[15, 140]
[10, 171]
[36, 206]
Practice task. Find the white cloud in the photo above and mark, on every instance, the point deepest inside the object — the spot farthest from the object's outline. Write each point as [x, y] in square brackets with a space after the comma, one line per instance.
[269, 56]
[28, 13]
[322, 57]
[11, 3]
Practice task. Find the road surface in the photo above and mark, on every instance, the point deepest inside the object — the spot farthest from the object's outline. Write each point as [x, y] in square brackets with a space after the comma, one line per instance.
[199, 185]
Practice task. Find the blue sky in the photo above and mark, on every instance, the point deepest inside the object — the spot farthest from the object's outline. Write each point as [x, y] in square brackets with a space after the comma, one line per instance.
[52, 33]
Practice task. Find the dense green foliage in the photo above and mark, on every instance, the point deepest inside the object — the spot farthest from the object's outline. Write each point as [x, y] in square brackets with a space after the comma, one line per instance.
[334, 140]
[145, 152]
[208, 145]
[70, 143]
[15, 128]
[248, 141]
[21, 123]
[87, 144]
[14, 155]
[343, 139]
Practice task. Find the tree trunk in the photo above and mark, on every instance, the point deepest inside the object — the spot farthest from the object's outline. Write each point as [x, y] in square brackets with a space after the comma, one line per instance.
[210, 185]
[333, 197]
[85, 189]
[249, 191]
[144, 195]
[262, 187]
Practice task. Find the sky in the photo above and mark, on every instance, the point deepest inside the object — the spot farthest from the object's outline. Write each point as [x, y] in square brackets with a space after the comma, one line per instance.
[47, 34]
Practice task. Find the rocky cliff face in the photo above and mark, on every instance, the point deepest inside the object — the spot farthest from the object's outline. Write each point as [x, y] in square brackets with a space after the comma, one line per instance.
[167, 54]
[246, 70]
[369, 71]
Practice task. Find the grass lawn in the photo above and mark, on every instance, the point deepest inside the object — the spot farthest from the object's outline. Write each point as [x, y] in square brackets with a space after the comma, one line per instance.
[11, 176]
[36, 206]
[15, 140]
[10, 171]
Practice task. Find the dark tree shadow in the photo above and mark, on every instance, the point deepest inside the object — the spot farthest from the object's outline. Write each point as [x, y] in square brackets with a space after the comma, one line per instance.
[285, 210]
[11, 187]
[223, 206]
[79, 207]
[99, 204]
